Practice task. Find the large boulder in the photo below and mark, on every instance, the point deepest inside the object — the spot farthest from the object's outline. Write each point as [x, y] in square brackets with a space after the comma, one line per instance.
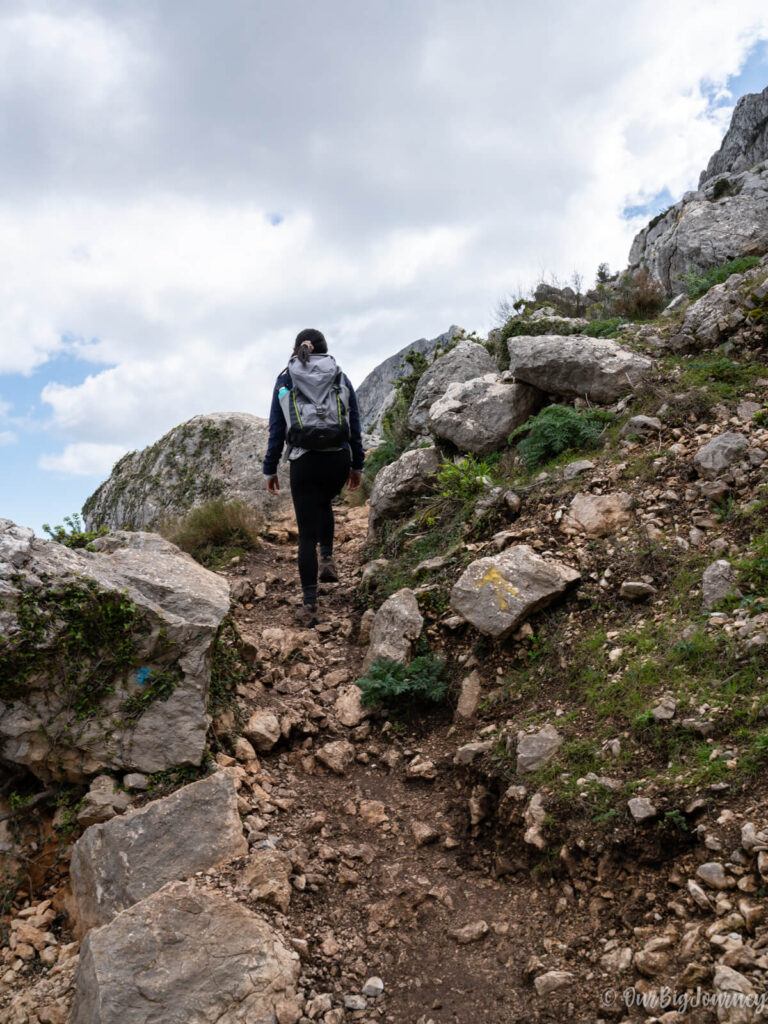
[479, 415]
[105, 656]
[218, 455]
[719, 581]
[722, 311]
[497, 593]
[377, 392]
[183, 955]
[122, 861]
[726, 218]
[398, 484]
[576, 366]
[462, 363]
[397, 625]
[746, 141]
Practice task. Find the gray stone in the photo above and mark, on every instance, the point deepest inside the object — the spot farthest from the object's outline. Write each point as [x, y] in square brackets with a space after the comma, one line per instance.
[726, 218]
[462, 363]
[746, 141]
[220, 453]
[472, 932]
[183, 956]
[479, 415]
[740, 1002]
[355, 1002]
[467, 753]
[535, 749]
[179, 608]
[713, 874]
[397, 625]
[373, 987]
[641, 809]
[497, 593]
[376, 393]
[574, 469]
[337, 755]
[535, 815]
[136, 781]
[598, 515]
[641, 425]
[746, 410]
[719, 581]
[102, 801]
[716, 457]
[665, 709]
[713, 318]
[116, 864]
[576, 366]
[348, 708]
[397, 485]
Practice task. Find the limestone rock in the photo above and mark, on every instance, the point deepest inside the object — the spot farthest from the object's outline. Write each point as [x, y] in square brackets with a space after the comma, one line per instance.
[576, 366]
[472, 932]
[641, 425]
[576, 468]
[102, 801]
[171, 608]
[714, 875]
[535, 813]
[337, 755]
[716, 457]
[746, 141]
[376, 393]
[349, 710]
[726, 218]
[599, 515]
[183, 955]
[479, 414]
[215, 455]
[743, 1005]
[551, 982]
[713, 318]
[462, 363]
[535, 749]
[396, 485]
[262, 730]
[497, 593]
[116, 864]
[719, 581]
[641, 809]
[267, 874]
[469, 695]
[397, 624]
[636, 590]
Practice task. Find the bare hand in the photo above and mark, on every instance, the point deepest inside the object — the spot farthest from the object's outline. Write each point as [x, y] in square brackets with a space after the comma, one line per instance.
[355, 479]
[273, 485]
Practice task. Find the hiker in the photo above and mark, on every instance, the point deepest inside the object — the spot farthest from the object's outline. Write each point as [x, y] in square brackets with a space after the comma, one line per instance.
[315, 408]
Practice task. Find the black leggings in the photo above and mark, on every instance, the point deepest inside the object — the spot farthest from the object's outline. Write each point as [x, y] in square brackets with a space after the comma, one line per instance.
[316, 479]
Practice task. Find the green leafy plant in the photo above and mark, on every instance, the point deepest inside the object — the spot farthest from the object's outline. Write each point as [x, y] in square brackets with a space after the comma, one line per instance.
[699, 284]
[217, 531]
[395, 423]
[397, 687]
[74, 534]
[460, 481]
[557, 429]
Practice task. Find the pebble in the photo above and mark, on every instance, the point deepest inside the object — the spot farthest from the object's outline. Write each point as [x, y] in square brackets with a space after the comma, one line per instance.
[373, 987]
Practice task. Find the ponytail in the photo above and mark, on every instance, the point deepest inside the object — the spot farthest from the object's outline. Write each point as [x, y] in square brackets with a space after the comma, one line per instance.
[307, 342]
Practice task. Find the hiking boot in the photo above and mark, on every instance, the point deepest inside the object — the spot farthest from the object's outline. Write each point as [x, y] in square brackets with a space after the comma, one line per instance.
[306, 615]
[328, 572]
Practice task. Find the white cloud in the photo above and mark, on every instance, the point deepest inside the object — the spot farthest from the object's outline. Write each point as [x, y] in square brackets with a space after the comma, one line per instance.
[8, 437]
[425, 159]
[83, 459]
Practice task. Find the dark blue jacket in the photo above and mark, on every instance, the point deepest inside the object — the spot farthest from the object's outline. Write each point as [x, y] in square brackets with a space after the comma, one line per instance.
[277, 428]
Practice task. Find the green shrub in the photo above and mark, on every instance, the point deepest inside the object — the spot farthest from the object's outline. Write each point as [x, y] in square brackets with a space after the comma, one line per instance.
[216, 531]
[460, 481]
[76, 536]
[557, 429]
[397, 687]
[722, 378]
[699, 284]
[395, 423]
[637, 296]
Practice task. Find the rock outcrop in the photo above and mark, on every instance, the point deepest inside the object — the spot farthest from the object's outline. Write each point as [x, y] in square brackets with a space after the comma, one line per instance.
[479, 415]
[116, 864]
[396, 486]
[722, 311]
[107, 654]
[496, 594]
[462, 363]
[218, 455]
[397, 625]
[746, 141]
[183, 954]
[577, 366]
[726, 218]
[375, 394]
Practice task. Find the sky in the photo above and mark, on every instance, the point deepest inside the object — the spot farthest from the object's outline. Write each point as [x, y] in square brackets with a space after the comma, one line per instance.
[185, 185]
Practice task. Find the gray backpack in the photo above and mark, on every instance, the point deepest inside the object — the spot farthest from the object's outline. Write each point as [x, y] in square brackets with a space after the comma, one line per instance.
[316, 408]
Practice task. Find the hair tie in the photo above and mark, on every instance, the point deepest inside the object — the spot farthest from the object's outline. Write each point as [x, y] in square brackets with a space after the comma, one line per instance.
[309, 345]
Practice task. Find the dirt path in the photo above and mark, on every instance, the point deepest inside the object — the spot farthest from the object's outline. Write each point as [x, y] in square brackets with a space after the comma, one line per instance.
[390, 878]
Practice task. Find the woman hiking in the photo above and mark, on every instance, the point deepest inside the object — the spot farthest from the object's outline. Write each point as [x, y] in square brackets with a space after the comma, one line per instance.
[314, 408]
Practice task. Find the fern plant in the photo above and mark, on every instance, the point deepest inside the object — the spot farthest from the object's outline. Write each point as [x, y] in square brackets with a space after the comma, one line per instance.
[397, 687]
[557, 429]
